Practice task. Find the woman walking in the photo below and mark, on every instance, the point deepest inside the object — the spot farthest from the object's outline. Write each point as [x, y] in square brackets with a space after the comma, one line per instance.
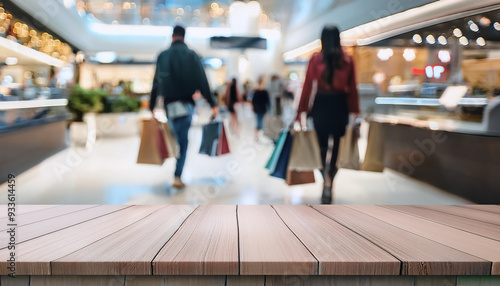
[332, 72]
[233, 96]
[261, 105]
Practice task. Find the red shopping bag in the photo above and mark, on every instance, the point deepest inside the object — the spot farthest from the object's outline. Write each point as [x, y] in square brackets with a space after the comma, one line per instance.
[223, 147]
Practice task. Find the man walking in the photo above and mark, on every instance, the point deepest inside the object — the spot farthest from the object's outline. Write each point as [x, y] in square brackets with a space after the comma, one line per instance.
[179, 74]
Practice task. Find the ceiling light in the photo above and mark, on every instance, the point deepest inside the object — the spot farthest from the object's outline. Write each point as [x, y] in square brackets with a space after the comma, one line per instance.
[457, 32]
[485, 22]
[481, 41]
[379, 77]
[496, 26]
[105, 57]
[442, 40]
[385, 54]
[430, 39]
[473, 27]
[180, 11]
[444, 56]
[409, 55]
[10, 61]
[464, 41]
[417, 38]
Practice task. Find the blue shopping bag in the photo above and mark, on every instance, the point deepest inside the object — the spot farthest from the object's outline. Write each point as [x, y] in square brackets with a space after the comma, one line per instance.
[273, 160]
[282, 164]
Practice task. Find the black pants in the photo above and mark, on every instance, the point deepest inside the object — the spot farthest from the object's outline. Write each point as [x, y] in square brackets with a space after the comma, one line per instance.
[330, 115]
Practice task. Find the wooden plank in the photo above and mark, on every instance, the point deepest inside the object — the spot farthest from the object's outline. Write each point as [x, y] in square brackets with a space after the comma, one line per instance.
[35, 216]
[233, 280]
[18, 281]
[350, 280]
[419, 256]
[478, 281]
[486, 208]
[195, 280]
[488, 217]
[112, 255]
[477, 227]
[467, 242]
[30, 231]
[145, 281]
[268, 247]
[23, 209]
[338, 250]
[435, 280]
[206, 244]
[34, 256]
[77, 280]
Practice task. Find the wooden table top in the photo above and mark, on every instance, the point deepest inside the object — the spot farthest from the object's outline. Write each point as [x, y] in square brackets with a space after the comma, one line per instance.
[253, 240]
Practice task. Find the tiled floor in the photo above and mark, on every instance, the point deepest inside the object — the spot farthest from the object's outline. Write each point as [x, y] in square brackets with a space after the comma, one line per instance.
[108, 174]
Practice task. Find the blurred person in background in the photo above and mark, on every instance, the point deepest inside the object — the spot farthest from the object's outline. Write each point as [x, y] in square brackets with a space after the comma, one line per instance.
[261, 104]
[276, 90]
[332, 71]
[233, 98]
[179, 74]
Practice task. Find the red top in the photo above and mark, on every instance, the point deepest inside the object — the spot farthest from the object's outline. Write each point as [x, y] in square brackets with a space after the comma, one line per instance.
[344, 80]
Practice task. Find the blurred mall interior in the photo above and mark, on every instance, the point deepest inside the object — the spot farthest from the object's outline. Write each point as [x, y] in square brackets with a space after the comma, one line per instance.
[76, 78]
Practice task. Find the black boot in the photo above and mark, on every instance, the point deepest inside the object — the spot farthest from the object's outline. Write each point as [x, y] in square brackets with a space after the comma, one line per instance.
[326, 198]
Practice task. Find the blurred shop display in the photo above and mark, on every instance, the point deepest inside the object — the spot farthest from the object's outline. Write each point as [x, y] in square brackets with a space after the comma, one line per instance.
[100, 114]
[16, 30]
[166, 13]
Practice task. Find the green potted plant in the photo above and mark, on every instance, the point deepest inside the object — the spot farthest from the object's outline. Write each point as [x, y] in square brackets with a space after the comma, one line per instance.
[119, 116]
[83, 103]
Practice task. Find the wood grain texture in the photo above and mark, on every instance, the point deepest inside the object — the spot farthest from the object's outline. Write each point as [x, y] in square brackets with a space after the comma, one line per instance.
[419, 256]
[435, 280]
[40, 228]
[18, 281]
[34, 256]
[477, 227]
[472, 244]
[206, 244]
[486, 208]
[268, 247]
[77, 280]
[195, 280]
[128, 251]
[233, 280]
[24, 209]
[44, 214]
[338, 250]
[353, 280]
[470, 213]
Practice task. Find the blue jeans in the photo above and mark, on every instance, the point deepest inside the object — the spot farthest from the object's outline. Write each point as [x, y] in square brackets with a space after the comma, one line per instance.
[260, 121]
[180, 128]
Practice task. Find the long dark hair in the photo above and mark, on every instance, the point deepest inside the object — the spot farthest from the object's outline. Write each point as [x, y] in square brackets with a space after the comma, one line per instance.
[332, 52]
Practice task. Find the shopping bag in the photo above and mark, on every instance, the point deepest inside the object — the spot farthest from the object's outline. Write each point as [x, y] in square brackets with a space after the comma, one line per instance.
[273, 125]
[210, 138]
[348, 157]
[299, 177]
[282, 164]
[223, 147]
[214, 140]
[271, 164]
[153, 149]
[170, 140]
[305, 154]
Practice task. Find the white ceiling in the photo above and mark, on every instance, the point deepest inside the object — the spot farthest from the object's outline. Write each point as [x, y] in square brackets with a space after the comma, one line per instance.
[302, 21]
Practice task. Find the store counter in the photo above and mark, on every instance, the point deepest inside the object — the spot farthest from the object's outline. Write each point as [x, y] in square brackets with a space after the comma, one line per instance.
[30, 132]
[459, 157]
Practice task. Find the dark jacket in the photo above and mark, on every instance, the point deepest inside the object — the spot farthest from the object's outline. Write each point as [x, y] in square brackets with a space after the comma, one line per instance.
[179, 74]
[260, 101]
